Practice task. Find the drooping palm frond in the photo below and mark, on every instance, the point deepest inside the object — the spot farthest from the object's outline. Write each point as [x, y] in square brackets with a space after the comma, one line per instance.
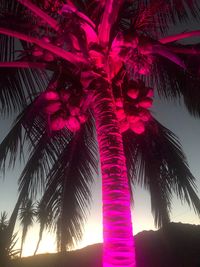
[26, 216]
[67, 191]
[44, 218]
[158, 164]
[172, 82]
[173, 11]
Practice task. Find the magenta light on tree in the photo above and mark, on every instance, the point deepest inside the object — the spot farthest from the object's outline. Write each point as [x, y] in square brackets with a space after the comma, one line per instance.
[102, 56]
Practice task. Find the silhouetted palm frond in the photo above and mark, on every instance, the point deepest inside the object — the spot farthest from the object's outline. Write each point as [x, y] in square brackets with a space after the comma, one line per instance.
[26, 216]
[68, 185]
[156, 161]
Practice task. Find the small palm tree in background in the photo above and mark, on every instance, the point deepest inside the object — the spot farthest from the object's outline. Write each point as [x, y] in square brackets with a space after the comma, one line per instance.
[26, 217]
[84, 72]
[7, 246]
[44, 218]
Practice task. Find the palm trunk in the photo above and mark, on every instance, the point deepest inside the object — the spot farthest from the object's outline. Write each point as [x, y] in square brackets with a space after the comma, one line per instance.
[118, 247]
[39, 240]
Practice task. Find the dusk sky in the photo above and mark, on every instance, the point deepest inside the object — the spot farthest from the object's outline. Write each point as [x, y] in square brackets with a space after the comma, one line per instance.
[171, 115]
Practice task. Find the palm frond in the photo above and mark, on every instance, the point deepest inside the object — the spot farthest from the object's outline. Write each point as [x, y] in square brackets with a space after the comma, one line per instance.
[159, 164]
[172, 82]
[67, 190]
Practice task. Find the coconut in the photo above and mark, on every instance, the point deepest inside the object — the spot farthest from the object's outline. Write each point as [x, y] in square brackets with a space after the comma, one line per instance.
[52, 107]
[144, 70]
[51, 95]
[64, 95]
[120, 114]
[119, 102]
[133, 93]
[145, 115]
[74, 111]
[137, 127]
[145, 103]
[150, 92]
[72, 124]
[133, 118]
[82, 118]
[37, 52]
[57, 124]
[48, 57]
[124, 126]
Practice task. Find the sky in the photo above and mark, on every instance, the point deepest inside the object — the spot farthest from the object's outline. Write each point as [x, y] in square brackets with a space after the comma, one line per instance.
[171, 115]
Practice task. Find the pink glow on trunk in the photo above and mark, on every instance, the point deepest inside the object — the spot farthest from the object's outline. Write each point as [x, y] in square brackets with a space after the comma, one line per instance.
[118, 247]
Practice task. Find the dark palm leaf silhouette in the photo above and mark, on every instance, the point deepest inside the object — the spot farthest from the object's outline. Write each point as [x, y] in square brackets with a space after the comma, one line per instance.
[26, 217]
[67, 64]
[44, 218]
[7, 245]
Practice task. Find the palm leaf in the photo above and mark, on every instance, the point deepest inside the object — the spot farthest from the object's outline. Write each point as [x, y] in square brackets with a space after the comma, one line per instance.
[159, 164]
[67, 190]
[172, 82]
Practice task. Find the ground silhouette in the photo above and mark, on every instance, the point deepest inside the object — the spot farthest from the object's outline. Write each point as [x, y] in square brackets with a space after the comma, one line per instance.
[177, 245]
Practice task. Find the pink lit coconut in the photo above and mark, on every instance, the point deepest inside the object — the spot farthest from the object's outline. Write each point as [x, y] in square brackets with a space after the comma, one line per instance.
[133, 118]
[119, 103]
[72, 124]
[57, 124]
[137, 127]
[74, 111]
[51, 95]
[146, 103]
[52, 107]
[120, 114]
[133, 93]
[124, 126]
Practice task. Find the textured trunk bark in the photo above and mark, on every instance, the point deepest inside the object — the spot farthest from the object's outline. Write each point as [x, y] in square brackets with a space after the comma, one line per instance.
[118, 248]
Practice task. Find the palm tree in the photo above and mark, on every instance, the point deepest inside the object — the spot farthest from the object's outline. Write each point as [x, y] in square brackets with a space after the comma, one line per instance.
[26, 216]
[44, 218]
[7, 246]
[70, 67]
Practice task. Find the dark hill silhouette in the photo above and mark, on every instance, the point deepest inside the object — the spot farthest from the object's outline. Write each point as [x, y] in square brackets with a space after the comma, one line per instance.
[177, 245]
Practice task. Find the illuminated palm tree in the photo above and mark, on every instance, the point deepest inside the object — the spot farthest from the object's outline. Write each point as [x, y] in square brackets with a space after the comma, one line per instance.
[73, 66]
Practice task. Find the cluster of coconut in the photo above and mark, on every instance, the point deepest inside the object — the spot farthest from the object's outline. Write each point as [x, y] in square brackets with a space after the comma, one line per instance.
[43, 54]
[136, 52]
[53, 6]
[66, 110]
[132, 108]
